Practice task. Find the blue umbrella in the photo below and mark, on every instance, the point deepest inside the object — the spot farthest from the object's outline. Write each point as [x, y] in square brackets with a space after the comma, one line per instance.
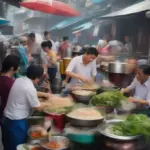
[3, 21]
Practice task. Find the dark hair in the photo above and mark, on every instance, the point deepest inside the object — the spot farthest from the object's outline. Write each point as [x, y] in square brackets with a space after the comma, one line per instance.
[65, 38]
[83, 50]
[11, 61]
[34, 72]
[46, 44]
[31, 35]
[92, 51]
[145, 69]
[46, 33]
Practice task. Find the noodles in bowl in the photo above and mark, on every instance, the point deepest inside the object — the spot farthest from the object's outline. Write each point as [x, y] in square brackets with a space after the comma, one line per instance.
[85, 114]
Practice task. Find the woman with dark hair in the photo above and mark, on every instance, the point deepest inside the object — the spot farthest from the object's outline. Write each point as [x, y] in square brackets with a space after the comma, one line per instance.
[10, 66]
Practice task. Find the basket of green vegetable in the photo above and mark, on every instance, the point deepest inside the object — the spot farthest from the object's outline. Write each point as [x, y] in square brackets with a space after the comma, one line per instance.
[131, 128]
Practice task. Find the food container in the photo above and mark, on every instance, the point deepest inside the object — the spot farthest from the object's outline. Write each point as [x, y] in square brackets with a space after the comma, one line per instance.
[56, 142]
[106, 109]
[66, 62]
[117, 73]
[85, 99]
[29, 147]
[58, 120]
[56, 86]
[102, 130]
[117, 67]
[37, 132]
[81, 121]
[80, 135]
[84, 123]
[126, 107]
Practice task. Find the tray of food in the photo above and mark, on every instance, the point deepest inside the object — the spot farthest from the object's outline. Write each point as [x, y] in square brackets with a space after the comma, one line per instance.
[133, 127]
[56, 143]
[85, 117]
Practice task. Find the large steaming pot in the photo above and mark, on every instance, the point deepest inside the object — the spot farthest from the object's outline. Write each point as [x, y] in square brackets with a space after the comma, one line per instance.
[117, 67]
[117, 72]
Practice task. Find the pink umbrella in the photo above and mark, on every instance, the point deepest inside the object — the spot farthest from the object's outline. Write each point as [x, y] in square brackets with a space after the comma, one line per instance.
[51, 6]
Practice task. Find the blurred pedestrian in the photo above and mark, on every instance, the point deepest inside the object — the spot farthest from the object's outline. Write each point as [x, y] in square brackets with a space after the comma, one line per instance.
[52, 60]
[47, 37]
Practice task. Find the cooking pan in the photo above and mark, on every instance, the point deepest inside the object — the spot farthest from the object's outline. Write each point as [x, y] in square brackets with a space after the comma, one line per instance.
[84, 99]
[84, 123]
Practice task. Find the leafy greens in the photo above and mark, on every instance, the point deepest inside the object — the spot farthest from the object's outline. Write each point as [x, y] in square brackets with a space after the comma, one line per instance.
[111, 99]
[133, 125]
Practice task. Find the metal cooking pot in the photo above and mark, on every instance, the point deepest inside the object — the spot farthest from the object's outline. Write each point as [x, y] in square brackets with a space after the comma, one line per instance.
[56, 86]
[58, 139]
[117, 67]
[84, 123]
[85, 99]
[102, 130]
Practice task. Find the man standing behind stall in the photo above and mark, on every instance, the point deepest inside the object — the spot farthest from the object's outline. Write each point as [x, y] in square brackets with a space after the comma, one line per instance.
[22, 98]
[64, 48]
[82, 69]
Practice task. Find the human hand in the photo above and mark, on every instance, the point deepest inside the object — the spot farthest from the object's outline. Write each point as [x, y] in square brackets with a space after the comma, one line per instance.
[132, 99]
[86, 80]
[122, 91]
[48, 95]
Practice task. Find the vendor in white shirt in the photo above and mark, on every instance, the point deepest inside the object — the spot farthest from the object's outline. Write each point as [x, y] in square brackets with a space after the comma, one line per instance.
[22, 99]
[141, 86]
[82, 69]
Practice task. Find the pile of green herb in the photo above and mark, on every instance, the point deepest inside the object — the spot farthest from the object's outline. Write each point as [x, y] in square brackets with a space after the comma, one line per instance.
[136, 124]
[63, 110]
[111, 99]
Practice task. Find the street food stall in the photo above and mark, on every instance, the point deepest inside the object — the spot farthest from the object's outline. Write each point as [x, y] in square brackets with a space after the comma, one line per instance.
[93, 116]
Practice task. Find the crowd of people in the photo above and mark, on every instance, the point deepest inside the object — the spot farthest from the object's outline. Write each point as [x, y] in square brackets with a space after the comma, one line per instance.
[26, 63]
[36, 64]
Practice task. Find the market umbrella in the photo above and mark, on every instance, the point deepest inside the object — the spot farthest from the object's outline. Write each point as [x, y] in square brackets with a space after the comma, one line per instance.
[51, 6]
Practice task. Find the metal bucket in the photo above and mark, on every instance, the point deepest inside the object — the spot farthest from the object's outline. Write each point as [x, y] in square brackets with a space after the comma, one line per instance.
[61, 68]
[117, 67]
[56, 86]
[66, 62]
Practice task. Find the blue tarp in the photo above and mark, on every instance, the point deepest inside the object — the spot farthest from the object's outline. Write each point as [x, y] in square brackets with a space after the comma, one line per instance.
[84, 26]
[66, 22]
[73, 21]
[3, 21]
[97, 1]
